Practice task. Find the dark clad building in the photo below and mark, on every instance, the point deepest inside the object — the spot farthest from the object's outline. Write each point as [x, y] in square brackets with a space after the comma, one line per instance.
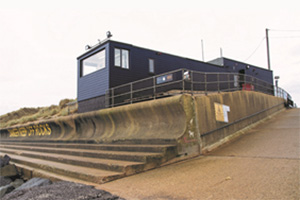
[113, 63]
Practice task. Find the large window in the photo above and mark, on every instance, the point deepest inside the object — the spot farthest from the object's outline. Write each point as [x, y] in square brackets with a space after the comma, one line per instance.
[122, 58]
[93, 63]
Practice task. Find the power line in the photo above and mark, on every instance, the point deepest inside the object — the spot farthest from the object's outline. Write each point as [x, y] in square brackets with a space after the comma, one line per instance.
[260, 43]
[279, 37]
[274, 37]
[284, 30]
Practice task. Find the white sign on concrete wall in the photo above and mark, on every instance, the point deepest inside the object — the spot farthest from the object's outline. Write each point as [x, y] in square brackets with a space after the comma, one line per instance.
[221, 112]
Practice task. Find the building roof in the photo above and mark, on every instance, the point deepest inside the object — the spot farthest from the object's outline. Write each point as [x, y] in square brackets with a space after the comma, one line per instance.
[221, 61]
[218, 62]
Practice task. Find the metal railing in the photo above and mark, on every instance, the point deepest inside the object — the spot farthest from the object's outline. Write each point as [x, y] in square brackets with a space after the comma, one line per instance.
[187, 81]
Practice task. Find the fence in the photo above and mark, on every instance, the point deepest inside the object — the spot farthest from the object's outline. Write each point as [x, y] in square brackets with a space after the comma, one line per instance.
[187, 81]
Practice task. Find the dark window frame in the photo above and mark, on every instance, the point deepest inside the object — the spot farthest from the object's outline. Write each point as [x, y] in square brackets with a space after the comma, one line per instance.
[82, 65]
[121, 60]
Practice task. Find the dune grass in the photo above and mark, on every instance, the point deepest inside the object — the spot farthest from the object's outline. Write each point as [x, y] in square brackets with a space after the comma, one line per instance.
[26, 115]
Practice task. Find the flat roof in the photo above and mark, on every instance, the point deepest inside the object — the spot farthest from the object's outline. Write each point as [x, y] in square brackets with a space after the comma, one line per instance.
[216, 65]
[225, 58]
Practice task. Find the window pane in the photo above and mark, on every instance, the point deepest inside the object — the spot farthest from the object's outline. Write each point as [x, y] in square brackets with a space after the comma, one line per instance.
[118, 57]
[93, 63]
[151, 65]
[125, 59]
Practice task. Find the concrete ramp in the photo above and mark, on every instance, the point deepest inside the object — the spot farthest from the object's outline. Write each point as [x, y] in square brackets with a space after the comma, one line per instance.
[129, 139]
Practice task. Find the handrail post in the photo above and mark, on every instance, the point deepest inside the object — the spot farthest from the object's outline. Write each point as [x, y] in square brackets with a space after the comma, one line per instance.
[218, 80]
[205, 83]
[113, 98]
[183, 87]
[107, 98]
[192, 83]
[130, 93]
[154, 87]
[228, 81]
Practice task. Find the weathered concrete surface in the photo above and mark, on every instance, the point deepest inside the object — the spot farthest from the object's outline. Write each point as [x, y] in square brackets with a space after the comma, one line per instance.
[263, 164]
[181, 121]
[246, 108]
[145, 120]
[184, 118]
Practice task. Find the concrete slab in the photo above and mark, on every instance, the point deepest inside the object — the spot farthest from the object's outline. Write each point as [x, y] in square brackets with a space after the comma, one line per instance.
[264, 164]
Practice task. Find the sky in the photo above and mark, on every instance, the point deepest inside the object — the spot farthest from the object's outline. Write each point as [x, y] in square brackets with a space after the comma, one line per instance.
[41, 40]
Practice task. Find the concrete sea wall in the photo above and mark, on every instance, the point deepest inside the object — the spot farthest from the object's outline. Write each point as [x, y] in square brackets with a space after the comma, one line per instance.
[245, 109]
[195, 123]
[161, 119]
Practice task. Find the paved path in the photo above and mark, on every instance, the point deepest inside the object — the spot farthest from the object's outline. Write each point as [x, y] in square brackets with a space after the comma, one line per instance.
[263, 164]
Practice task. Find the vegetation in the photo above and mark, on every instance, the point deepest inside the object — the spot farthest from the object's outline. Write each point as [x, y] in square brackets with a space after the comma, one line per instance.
[26, 115]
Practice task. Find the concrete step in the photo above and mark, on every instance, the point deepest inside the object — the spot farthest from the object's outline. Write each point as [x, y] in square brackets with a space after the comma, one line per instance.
[126, 167]
[159, 148]
[91, 162]
[85, 141]
[83, 173]
[31, 172]
[117, 155]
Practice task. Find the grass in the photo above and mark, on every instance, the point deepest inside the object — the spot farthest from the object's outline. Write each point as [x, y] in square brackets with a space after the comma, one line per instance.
[26, 115]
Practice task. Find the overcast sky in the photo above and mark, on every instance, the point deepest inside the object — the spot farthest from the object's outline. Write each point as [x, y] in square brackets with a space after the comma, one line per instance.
[40, 40]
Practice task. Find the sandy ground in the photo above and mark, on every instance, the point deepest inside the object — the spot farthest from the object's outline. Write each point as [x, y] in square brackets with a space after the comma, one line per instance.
[264, 164]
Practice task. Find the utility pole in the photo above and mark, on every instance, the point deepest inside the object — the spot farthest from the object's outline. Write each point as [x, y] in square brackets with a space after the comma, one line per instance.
[268, 49]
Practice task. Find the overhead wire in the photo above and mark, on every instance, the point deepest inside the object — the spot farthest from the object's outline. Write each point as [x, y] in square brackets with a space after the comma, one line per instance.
[260, 43]
[274, 37]
[279, 37]
[284, 30]
[292, 36]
